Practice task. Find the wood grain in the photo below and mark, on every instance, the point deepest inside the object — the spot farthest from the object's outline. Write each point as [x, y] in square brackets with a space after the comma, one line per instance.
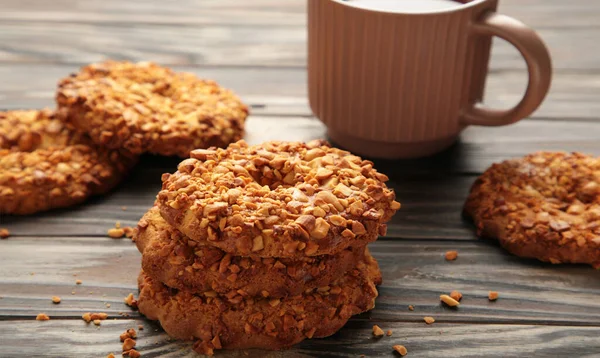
[536, 13]
[415, 273]
[73, 338]
[229, 45]
[277, 91]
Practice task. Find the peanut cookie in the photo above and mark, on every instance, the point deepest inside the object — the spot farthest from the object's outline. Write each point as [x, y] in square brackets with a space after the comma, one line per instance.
[169, 257]
[147, 108]
[236, 322]
[544, 206]
[277, 199]
[45, 165]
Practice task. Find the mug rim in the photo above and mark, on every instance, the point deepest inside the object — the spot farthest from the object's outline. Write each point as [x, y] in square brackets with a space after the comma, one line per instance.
[429, 12]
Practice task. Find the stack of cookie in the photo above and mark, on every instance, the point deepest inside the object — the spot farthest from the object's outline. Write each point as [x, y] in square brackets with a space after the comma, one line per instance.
[106, 115]
[262, 246]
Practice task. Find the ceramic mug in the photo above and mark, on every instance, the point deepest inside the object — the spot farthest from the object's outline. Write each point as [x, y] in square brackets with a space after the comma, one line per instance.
[395, 84]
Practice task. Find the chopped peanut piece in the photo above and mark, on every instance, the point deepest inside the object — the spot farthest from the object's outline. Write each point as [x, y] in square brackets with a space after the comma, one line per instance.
[428, 320]
[4, 233]
[97, 322]
[116, 233]
[110, 355]
[451, 255]
[493, 295]
[400, 350]
[87, 317]
[55, 299]
[456, 295]
[78, 282]
[377, 331]
[130, 301]
[411, 308]
[42, 317]
[128, 344]
[449, 301]
[389, 332]
[132, 353]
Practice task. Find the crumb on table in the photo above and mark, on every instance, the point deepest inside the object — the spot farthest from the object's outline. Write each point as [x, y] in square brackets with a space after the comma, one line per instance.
[4, 233]
[451, 302]
[451, 255]
[400, 349]
[493, 295]
[377, 331]
[42, 317]
[456, 295]
[56, 299]
[429, 320]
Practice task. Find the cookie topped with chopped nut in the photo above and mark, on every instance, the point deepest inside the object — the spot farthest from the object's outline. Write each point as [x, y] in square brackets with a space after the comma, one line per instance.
[144, 107]
[277, 199]
[45, 165]
[239, 321]
[171, 258]
[545, 205]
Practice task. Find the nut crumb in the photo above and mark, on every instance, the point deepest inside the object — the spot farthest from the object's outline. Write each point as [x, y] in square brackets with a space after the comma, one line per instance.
[456, 295]
[42, 317]
[411, 308]
[55, 299]
[4, 233]
[130, 301]
[377, 331]
[389, 332]
[132, 353]
[449, 301]
[428, 320]
[400, 350]
[107, 305]
[130, 333]
[78, 282]
[140, 327]
[128, 344]
[97, 322]
[493, 295]
[451, 255]
[124, 208]
[110, 355]
[116, 233]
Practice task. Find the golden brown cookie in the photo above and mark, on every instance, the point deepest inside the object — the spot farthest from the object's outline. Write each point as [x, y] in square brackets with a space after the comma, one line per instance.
[544, 206]
[45, 165]
[277, 199]
[237, 322]
[169, 257]
[144, 107]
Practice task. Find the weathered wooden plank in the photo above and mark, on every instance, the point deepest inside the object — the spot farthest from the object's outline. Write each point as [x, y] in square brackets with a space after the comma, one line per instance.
[536, 13]
[72, 338]
[573, 95]
[415, 273]
[228, 45]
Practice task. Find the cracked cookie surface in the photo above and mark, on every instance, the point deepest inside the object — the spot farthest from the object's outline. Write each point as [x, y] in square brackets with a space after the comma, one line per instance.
[237, 322]
[144, 107]
[46, 165]
[545, 205]
[277, 199]
[171, 258]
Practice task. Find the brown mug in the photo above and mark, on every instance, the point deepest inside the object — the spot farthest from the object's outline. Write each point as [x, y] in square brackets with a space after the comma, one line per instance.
[395, 84]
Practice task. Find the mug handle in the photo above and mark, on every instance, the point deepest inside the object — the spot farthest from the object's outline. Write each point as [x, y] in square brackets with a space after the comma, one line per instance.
[539, 66]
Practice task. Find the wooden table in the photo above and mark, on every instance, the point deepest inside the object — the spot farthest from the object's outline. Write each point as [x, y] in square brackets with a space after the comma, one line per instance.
[258, 48]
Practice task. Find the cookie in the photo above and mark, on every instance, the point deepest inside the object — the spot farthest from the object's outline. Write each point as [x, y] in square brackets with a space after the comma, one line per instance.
[45, 165]
[169, 257]
[144, 107]
[277, 199]
[544, 206]
[238, 322]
